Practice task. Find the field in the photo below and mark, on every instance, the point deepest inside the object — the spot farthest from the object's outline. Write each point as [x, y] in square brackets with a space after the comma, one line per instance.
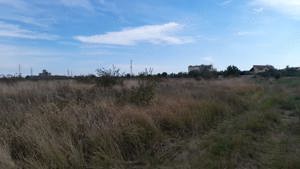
[234, 123]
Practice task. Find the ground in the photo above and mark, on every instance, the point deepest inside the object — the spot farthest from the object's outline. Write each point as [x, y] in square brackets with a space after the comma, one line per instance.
[234, 123]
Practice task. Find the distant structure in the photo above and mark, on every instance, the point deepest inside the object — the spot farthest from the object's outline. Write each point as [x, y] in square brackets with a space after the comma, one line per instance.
[19, 73]
[44, 73]
[131, 72]
[296, 68]
[261, 68]
[292, 68]
[201, 68]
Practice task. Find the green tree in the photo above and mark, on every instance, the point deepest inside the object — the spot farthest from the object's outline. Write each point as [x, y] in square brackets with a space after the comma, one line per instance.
[232, 71]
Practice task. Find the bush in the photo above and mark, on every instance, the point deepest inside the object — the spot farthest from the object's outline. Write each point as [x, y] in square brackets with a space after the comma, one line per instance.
[290, 72]
[141, 95]
[271, 73]
[232, 71]
[206, 74]
[108, 77]
[86, 79]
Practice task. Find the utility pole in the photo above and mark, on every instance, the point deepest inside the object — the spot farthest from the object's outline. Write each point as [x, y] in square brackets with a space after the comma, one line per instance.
[131, 72]
[20, 70]
[31, 72]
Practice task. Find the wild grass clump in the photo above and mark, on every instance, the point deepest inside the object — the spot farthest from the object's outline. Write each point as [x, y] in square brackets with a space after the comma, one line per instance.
[142, 94]
[235, 143]
[108, 77]
[144, 123]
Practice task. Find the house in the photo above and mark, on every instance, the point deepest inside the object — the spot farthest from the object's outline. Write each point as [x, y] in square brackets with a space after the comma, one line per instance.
[261, 68]
[201, 68]
[44, 73]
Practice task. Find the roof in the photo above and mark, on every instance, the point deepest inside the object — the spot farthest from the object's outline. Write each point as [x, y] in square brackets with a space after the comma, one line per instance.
[206, 66]
[263, 66]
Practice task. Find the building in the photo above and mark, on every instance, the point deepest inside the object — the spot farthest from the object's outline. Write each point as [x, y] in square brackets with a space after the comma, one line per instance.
[44, 73]
[297, 68]
[261, 68]
[201, 68]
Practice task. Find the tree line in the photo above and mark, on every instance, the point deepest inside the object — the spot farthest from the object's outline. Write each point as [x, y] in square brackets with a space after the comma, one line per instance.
[111, 75]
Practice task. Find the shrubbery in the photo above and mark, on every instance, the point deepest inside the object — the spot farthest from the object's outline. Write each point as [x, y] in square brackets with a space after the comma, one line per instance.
[140, 95]
[271, 73]
[108, 77]
[232, 71]
[180, 123]
[206, 74]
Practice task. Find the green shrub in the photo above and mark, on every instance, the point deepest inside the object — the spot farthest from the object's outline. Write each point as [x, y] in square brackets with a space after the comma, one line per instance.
[108, 77]
[206, 74]
[232, 71]
[141, 95]
[271, 73]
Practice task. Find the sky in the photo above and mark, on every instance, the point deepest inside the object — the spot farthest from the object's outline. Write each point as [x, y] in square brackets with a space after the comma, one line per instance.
[166, 35]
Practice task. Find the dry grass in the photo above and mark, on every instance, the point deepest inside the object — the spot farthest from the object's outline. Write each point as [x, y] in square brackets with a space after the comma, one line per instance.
[188, 124]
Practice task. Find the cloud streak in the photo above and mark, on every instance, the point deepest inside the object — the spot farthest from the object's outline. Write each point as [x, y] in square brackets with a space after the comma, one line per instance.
[15, 31]
[246, 33]
[19, 4]
[290, 7]
[86, 4]
[226, 2]
[155, 34]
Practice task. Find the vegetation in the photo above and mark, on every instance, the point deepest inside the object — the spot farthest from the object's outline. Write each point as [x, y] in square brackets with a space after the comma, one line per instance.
[108, 77]
[150, 123]
[232, 71]
[206, 74]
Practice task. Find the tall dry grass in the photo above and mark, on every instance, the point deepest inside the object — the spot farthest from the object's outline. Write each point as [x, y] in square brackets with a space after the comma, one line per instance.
[66, 124]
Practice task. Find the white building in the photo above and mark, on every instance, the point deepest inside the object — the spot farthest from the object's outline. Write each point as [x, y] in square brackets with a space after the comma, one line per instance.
[201, 68]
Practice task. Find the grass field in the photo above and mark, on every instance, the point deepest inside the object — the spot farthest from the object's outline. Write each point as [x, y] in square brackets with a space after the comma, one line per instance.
[238, 123]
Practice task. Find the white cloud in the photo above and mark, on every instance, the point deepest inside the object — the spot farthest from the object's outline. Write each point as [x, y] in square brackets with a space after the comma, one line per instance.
[226, 2]
[258, 10]
[14, 31]
[19, 4]
[246, 33]
[78, 3]
[290, 7]
[155, 34]
[109, 6]
[21, 11]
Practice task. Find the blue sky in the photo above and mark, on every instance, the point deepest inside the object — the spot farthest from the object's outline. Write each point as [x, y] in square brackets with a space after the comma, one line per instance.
[166, 35]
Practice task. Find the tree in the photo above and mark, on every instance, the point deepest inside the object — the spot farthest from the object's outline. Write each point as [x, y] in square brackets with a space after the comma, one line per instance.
[232, 71]
[164, 74]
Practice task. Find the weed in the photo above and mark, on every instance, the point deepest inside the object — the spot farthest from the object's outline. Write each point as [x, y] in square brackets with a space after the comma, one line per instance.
[149, 123]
